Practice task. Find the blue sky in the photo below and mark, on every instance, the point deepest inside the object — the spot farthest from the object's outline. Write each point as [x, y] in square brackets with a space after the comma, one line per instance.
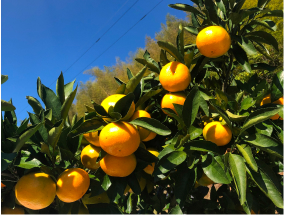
[44, 37]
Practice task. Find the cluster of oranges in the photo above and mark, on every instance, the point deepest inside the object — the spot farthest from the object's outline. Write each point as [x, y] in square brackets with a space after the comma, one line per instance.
[119, 140]
[38, 190]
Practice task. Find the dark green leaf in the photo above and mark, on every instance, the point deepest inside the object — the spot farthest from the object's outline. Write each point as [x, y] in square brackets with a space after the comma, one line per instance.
[88, 126]
[211, 8]
[121, 89]
[25, 136]
[170, 161]
[4, 78]
[203, 146]
[145, 155]
[259, 116]
[275, 13]
[277, 86]
[37, 108]
[263, 66]
[262, 3]
[188, 57]
[60, 88]
[103, 208]
[133, 82]
[247, 154]
[241, 57]
[191, 29]
[163, 58]
[221, 6]
[99, 109]
[51, 101]
[265, 128]
[214, 170]
[6, 106]
[194, 132]
[152, 125]
[171, 49]
[238, 170]
[123, 105]
[187, 8]
[166, 150]
[68, 88]
[247, 103]
[147, 96]
[67, 104]
[54, 134]
[263, 37]
[245, 44]
[133, 183]
[176, 210]
[266, 186]
[180, 40]
[149, 60]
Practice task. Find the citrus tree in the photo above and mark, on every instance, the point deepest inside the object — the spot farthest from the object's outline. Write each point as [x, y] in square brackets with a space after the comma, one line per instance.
[185, 138]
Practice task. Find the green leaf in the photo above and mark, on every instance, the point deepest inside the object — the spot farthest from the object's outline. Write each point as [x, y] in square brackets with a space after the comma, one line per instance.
[263, 37]
[25, 136]
[277, 86]
[163, 58]
[54, 134]
[222, 113]
[116, 190]
[236, 118]
[37, 108]
[247, 154]
[238, 170]
[129, 204]
[88, 126]
[262, 3]
[211, 8]
[167, 46]
[23, 126]
[265, 143]
[265, 128]
[221, 6]
[28, 164]
[180, 40]
[152, 125]
[150, 61]
[203, 146]
[133, 82]
[188, 57]
[185, 181]
[214, 170]
[145, 155]
[67, 104]
[241, 57]
[259, 116]
[147, 96]
[129, 74]
[4, 78]
[51, 101]
[170, 161]
[121, 89]
[247, 103]
[194, 132]
[191, 29]
[240, 16]
[176, 210]
[68, 88]
[6, 106]
[6, 159]
[106, 182]
[247, 45]
[60, 88]
[133, 183]
[202, 60]
[187, 8]
[191, 106]
[99, 109]
[266, 186]
[42, 130]
[151, 66]
[166, 150]
[123, 105]
[263, 66]
[275, 13]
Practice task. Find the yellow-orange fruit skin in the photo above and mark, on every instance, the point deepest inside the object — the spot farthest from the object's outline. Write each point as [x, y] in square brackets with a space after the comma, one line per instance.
[35, 190]
[93, 138]
[16, 210]
[175, 77]
[150, 168]
[170, 98]
[151, 136]
[213, 41]
[267, 100]
[217, 133]
[143, 132]
[119, 139]
[89, 157]
[2, 185]
[118, 166]
[112, 100]
[72, 184]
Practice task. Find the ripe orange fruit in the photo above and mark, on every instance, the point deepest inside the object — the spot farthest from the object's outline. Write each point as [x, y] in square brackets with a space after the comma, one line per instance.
[150, 168]
[204, 180]
[213, 41]
[102, 198]
[267, 100]
[217, 133]
[35, 190]
[2, 185]
[16, 210]
[112, 100]
[175, 77]
[89, 157]
[72, 184]
[93, 138]
[119, 139]
[151, 136]
[118, 166]
[143, 132]
[170, 98]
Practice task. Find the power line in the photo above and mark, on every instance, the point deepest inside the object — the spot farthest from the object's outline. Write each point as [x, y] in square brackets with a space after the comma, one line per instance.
[114, 42]
[118, 39]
